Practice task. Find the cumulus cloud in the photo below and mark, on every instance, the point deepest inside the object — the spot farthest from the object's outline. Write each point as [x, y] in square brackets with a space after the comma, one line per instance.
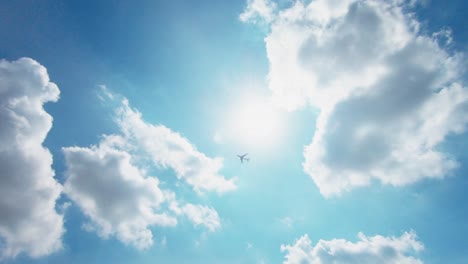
[117, 197]
[169, 149]
[376, 249]
[29, 222]
[388, 95]
[110, 184]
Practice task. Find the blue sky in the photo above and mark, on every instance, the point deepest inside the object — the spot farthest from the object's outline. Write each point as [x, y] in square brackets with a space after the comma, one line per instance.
[125, 119]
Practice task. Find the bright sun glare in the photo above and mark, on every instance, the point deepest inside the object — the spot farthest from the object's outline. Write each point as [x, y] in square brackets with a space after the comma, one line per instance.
[255, 124]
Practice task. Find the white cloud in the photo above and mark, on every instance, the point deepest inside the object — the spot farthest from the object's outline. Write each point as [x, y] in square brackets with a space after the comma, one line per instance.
[388, 94]
[197, 214]
[29, 222]
[117, 197]
[258, 11]
[287, 221]
[376, 249]
[202, 215]
[167, 148]
[111, 187]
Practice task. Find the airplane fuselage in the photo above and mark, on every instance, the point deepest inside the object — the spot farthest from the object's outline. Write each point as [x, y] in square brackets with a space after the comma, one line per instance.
[243, 157]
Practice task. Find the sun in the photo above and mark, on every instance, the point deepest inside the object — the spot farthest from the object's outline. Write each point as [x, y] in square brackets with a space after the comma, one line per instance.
[254, 124]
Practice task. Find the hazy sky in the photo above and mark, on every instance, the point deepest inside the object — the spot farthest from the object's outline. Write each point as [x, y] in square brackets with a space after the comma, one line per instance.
[121, 122]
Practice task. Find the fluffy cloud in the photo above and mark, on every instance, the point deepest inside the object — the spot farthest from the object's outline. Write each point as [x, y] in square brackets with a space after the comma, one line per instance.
[388, 94]
[376, 249]
[29, 222]
[108, 183]
[117, 197]
[169, 149]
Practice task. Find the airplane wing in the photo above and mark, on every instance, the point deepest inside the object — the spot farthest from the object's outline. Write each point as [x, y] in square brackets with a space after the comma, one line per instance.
[242, 157]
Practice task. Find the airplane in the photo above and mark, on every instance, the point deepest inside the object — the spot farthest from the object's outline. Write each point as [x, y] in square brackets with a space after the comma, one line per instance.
[243, 157]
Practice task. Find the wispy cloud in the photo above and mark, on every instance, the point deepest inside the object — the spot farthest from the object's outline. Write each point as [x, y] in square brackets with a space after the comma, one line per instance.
[163, 242]
[169, 149]
[287, 221]
[249, 245]
[258, 11]
[197, 214]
